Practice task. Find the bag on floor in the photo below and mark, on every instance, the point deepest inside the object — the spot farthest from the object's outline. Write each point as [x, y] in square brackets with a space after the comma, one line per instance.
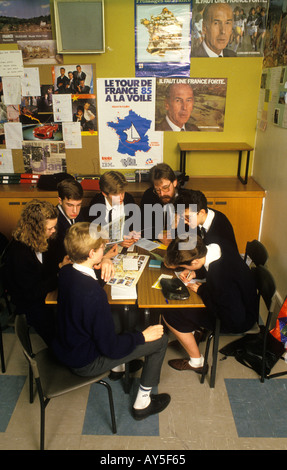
[248, 351]
[280, 330]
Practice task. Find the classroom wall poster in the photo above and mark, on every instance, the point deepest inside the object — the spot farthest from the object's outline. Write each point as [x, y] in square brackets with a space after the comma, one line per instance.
[45, 158]
[244, 38]
[209, 98]
[162, 38]
[275, 48]
[126, 109]
[272, 105]
[25, 19]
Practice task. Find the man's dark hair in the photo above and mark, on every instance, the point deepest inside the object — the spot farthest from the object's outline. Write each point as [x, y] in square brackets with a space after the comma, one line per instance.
[162, 171]
[191, 196]
[70, 189]
[177, 257]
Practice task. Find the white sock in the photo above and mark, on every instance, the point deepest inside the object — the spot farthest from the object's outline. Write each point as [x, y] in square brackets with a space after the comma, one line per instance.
[143, 397]
[120, 368]
[196, 361]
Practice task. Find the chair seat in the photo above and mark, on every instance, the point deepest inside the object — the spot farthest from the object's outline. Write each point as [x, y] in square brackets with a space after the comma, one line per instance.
[57, 379]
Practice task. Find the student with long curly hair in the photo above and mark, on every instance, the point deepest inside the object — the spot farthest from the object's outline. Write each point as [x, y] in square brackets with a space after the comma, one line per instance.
[30, 270]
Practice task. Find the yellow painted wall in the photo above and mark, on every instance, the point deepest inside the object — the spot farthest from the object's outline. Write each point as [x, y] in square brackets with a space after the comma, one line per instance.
[243, 76]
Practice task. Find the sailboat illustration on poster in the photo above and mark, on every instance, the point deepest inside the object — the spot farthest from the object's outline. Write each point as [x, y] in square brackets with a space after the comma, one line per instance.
[132, 135]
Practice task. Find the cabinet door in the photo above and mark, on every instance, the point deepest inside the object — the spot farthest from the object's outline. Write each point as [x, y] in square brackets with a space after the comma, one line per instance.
[244, 215]
[10, 211]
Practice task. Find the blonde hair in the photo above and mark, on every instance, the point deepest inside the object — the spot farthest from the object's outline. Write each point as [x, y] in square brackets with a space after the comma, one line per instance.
[80, 239]
[31, 227]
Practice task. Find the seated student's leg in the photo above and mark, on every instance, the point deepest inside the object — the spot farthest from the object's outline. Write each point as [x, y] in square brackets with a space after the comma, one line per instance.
[154, 352]
[120, 319]
[183, 323]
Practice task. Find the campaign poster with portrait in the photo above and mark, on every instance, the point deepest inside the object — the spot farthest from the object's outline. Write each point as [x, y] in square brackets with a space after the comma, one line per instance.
[162, 38]
[126, 109]
[190, 104]
[244, 29]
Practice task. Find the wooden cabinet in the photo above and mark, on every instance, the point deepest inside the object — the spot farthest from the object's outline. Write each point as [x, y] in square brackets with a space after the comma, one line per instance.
[242, 204]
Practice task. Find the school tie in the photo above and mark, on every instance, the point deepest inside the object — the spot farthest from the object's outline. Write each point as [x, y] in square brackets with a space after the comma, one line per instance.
[202, 232]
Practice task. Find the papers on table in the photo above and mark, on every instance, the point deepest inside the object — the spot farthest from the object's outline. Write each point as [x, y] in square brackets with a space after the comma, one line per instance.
[123, 292]
[157, 284]
[124, 279]
[190, 281]
[147, 244]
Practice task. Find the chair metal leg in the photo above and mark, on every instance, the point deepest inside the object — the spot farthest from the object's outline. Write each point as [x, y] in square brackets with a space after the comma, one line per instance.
[111, 401]
[215, 353]
[205, 364]
[3, 368]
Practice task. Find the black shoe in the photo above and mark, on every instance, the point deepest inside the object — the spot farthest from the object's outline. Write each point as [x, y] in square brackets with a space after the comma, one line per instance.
[135, 365]
[158, 403]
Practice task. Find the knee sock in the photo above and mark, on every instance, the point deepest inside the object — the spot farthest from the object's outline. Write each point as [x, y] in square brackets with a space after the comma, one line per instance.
[143, 397]
[120, 368]
[196, 361]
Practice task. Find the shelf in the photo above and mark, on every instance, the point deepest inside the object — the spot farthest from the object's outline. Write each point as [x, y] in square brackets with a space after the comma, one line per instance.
[217, 147]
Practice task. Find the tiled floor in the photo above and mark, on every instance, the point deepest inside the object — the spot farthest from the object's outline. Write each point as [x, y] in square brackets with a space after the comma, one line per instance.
[239, 414]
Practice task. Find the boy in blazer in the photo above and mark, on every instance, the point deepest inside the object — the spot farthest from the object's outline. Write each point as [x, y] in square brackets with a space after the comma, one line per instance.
[87, 340]
[228, 293]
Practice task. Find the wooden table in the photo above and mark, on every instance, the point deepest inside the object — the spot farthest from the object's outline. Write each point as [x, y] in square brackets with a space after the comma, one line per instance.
[151, 298]
[217, 147]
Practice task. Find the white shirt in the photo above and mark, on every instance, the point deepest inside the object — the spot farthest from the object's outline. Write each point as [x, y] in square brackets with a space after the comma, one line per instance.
[213, 254]
[39, 256]
[209, 52]
[118, 210]
[173, 126]
[85, 270]
[208, 220]
[71, 222]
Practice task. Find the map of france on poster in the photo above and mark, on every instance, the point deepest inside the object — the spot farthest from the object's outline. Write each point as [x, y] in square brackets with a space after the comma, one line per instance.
[126, 123]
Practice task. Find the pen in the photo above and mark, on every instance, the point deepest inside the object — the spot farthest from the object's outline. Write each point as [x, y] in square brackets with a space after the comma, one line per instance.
[166, 301]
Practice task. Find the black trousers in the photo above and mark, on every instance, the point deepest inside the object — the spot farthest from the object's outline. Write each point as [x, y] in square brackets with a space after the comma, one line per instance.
[153, 353]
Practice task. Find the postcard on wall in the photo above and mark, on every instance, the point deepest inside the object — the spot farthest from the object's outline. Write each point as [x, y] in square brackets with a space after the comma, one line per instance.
[13, 135]
[25, 19]
[40, 52]
[6, 161]
[62, 108]
[72, 135]
[162, 38]
[44, 157]
[204, 108]
[11, 90]
[126, 123]
[30, 82]
[11, 64]
[244, 33]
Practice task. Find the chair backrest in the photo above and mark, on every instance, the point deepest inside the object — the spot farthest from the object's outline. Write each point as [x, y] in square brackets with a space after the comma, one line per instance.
[256, 252]
[265, 284]
[22, 333]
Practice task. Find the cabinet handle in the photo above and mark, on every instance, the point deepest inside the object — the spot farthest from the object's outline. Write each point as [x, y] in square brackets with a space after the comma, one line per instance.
[209, 203]
[221, 203]
[14, 203]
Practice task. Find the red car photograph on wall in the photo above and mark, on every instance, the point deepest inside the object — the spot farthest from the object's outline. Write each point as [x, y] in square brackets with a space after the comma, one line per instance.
[46, 131]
